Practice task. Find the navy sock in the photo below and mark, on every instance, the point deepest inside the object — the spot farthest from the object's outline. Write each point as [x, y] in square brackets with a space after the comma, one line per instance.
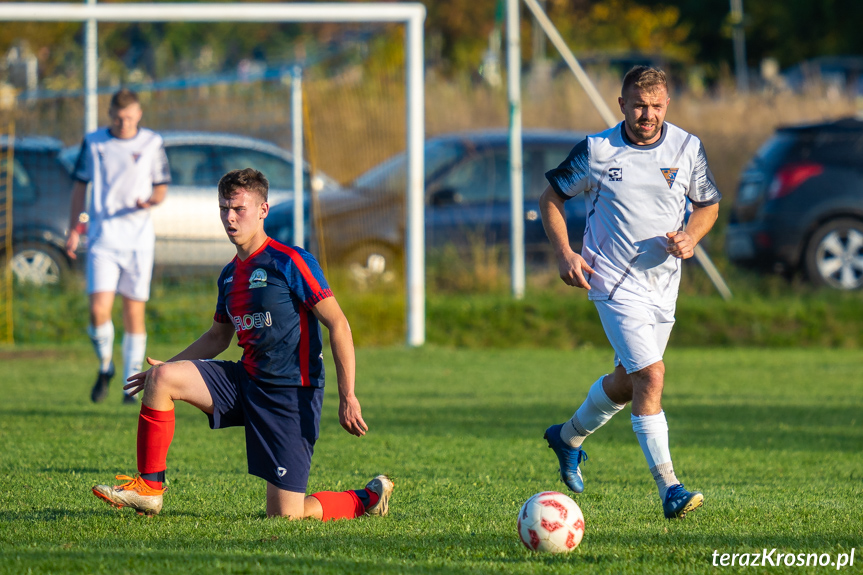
[364, 497]
[158, 476]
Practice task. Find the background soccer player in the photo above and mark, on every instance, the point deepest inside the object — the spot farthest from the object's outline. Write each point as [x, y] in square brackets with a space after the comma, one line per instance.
[273, 296]
[637, 178]
[128, 169]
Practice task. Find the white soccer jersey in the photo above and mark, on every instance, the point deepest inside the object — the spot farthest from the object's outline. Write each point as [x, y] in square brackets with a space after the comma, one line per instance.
[122, 172]
[635, 195]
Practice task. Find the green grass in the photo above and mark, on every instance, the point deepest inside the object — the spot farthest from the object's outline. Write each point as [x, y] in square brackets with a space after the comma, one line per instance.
[765, 312]
[773, 438]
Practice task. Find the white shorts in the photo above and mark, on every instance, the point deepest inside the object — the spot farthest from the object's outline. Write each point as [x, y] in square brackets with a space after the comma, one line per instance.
[127, 272]
[637, 332]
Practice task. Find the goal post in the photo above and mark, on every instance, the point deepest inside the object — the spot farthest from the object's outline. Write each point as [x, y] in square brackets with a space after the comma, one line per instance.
[7, 139]
[412, 15]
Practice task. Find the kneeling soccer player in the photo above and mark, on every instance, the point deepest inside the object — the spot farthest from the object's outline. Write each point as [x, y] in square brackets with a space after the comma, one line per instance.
[274, 297]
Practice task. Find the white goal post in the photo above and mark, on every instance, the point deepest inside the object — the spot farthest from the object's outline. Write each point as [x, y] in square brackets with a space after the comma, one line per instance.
[412, 14]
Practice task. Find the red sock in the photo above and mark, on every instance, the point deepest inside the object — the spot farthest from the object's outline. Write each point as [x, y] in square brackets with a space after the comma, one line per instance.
[373, 498]
[155, 432]
[340, 504]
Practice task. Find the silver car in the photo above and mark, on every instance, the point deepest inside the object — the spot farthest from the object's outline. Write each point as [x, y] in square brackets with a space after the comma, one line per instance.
[188, 230]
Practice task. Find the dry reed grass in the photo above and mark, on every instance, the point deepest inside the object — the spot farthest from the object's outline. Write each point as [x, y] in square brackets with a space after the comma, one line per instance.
[347, 121]
[731, 126]
[357, 121]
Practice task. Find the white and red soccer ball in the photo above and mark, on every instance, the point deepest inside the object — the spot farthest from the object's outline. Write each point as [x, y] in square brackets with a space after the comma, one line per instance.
[550, 522]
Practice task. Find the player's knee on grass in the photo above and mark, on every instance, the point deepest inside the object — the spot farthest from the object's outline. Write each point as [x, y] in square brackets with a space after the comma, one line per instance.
[291, 505]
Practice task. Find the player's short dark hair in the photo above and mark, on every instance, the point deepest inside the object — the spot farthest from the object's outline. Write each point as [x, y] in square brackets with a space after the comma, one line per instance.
[122, 98]
[645, 78]
[248, 179]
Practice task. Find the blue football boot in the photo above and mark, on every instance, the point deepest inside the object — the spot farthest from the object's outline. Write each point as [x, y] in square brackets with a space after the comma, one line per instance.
[678, 501]
[569, 458]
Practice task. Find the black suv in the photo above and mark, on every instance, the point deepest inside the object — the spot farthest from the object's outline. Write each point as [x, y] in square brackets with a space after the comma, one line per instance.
[41, 188]
[799, 206]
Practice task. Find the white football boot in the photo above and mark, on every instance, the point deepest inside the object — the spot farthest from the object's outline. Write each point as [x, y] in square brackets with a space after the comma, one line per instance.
[135, 493]
[383, 487]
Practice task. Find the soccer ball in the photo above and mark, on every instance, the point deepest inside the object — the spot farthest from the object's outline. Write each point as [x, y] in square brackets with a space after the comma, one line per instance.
[550, 522]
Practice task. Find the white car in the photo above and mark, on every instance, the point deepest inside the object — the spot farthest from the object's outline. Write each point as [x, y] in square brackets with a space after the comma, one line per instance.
[188, 230]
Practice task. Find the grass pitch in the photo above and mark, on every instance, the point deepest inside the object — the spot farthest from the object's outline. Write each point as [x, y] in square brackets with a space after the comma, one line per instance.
[774, 439]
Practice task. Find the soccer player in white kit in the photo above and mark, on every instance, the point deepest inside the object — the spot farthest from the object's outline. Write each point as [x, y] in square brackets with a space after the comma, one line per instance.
[128, 169]
[637, 178]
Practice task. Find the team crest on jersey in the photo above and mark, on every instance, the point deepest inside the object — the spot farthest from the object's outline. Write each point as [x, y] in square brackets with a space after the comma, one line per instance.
[136, 156]
[615, 174]
[670, 174]
[258, 279]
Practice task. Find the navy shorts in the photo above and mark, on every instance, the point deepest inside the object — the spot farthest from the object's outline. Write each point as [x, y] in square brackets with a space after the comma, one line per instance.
[281, 422]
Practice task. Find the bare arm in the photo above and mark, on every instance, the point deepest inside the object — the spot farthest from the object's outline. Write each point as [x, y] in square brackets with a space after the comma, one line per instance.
[76, 208]
[682, 244]
[570, 264]
[156, 198]
[342, 344]
[213, 342]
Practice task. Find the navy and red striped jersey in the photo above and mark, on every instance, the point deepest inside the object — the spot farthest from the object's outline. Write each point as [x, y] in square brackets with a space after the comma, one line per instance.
[269, 298]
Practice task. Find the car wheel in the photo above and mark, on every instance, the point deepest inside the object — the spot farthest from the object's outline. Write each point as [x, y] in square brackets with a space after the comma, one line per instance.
[834, 256]
[38, 264]
[372, 264]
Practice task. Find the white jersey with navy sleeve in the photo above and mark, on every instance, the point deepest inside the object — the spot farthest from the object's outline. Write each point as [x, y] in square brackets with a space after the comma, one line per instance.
[122, 171]
[635, 195]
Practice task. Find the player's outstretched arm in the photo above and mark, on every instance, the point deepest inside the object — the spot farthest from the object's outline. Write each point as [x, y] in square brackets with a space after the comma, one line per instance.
[682, 244]
[213, 342]
[571, 265]
[330, 314]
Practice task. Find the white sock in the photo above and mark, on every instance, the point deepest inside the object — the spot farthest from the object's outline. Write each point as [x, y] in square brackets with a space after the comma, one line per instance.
[652, 433]
[103, 342]
[595, 412]
[134, 348]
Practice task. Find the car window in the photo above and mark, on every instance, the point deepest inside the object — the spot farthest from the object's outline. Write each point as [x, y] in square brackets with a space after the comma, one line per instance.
[279, 172]
[38, 176]
[773, 152]
[193, 165]
[389, 177]
[538, 159]
[499, 186]
[50, 178]
[482, 178]
[23, 186]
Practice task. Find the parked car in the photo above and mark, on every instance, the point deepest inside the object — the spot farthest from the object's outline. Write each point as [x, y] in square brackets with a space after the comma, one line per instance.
[466, 200]
[189, 233]
[40, 210]
[844, 73]
[799, 206]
